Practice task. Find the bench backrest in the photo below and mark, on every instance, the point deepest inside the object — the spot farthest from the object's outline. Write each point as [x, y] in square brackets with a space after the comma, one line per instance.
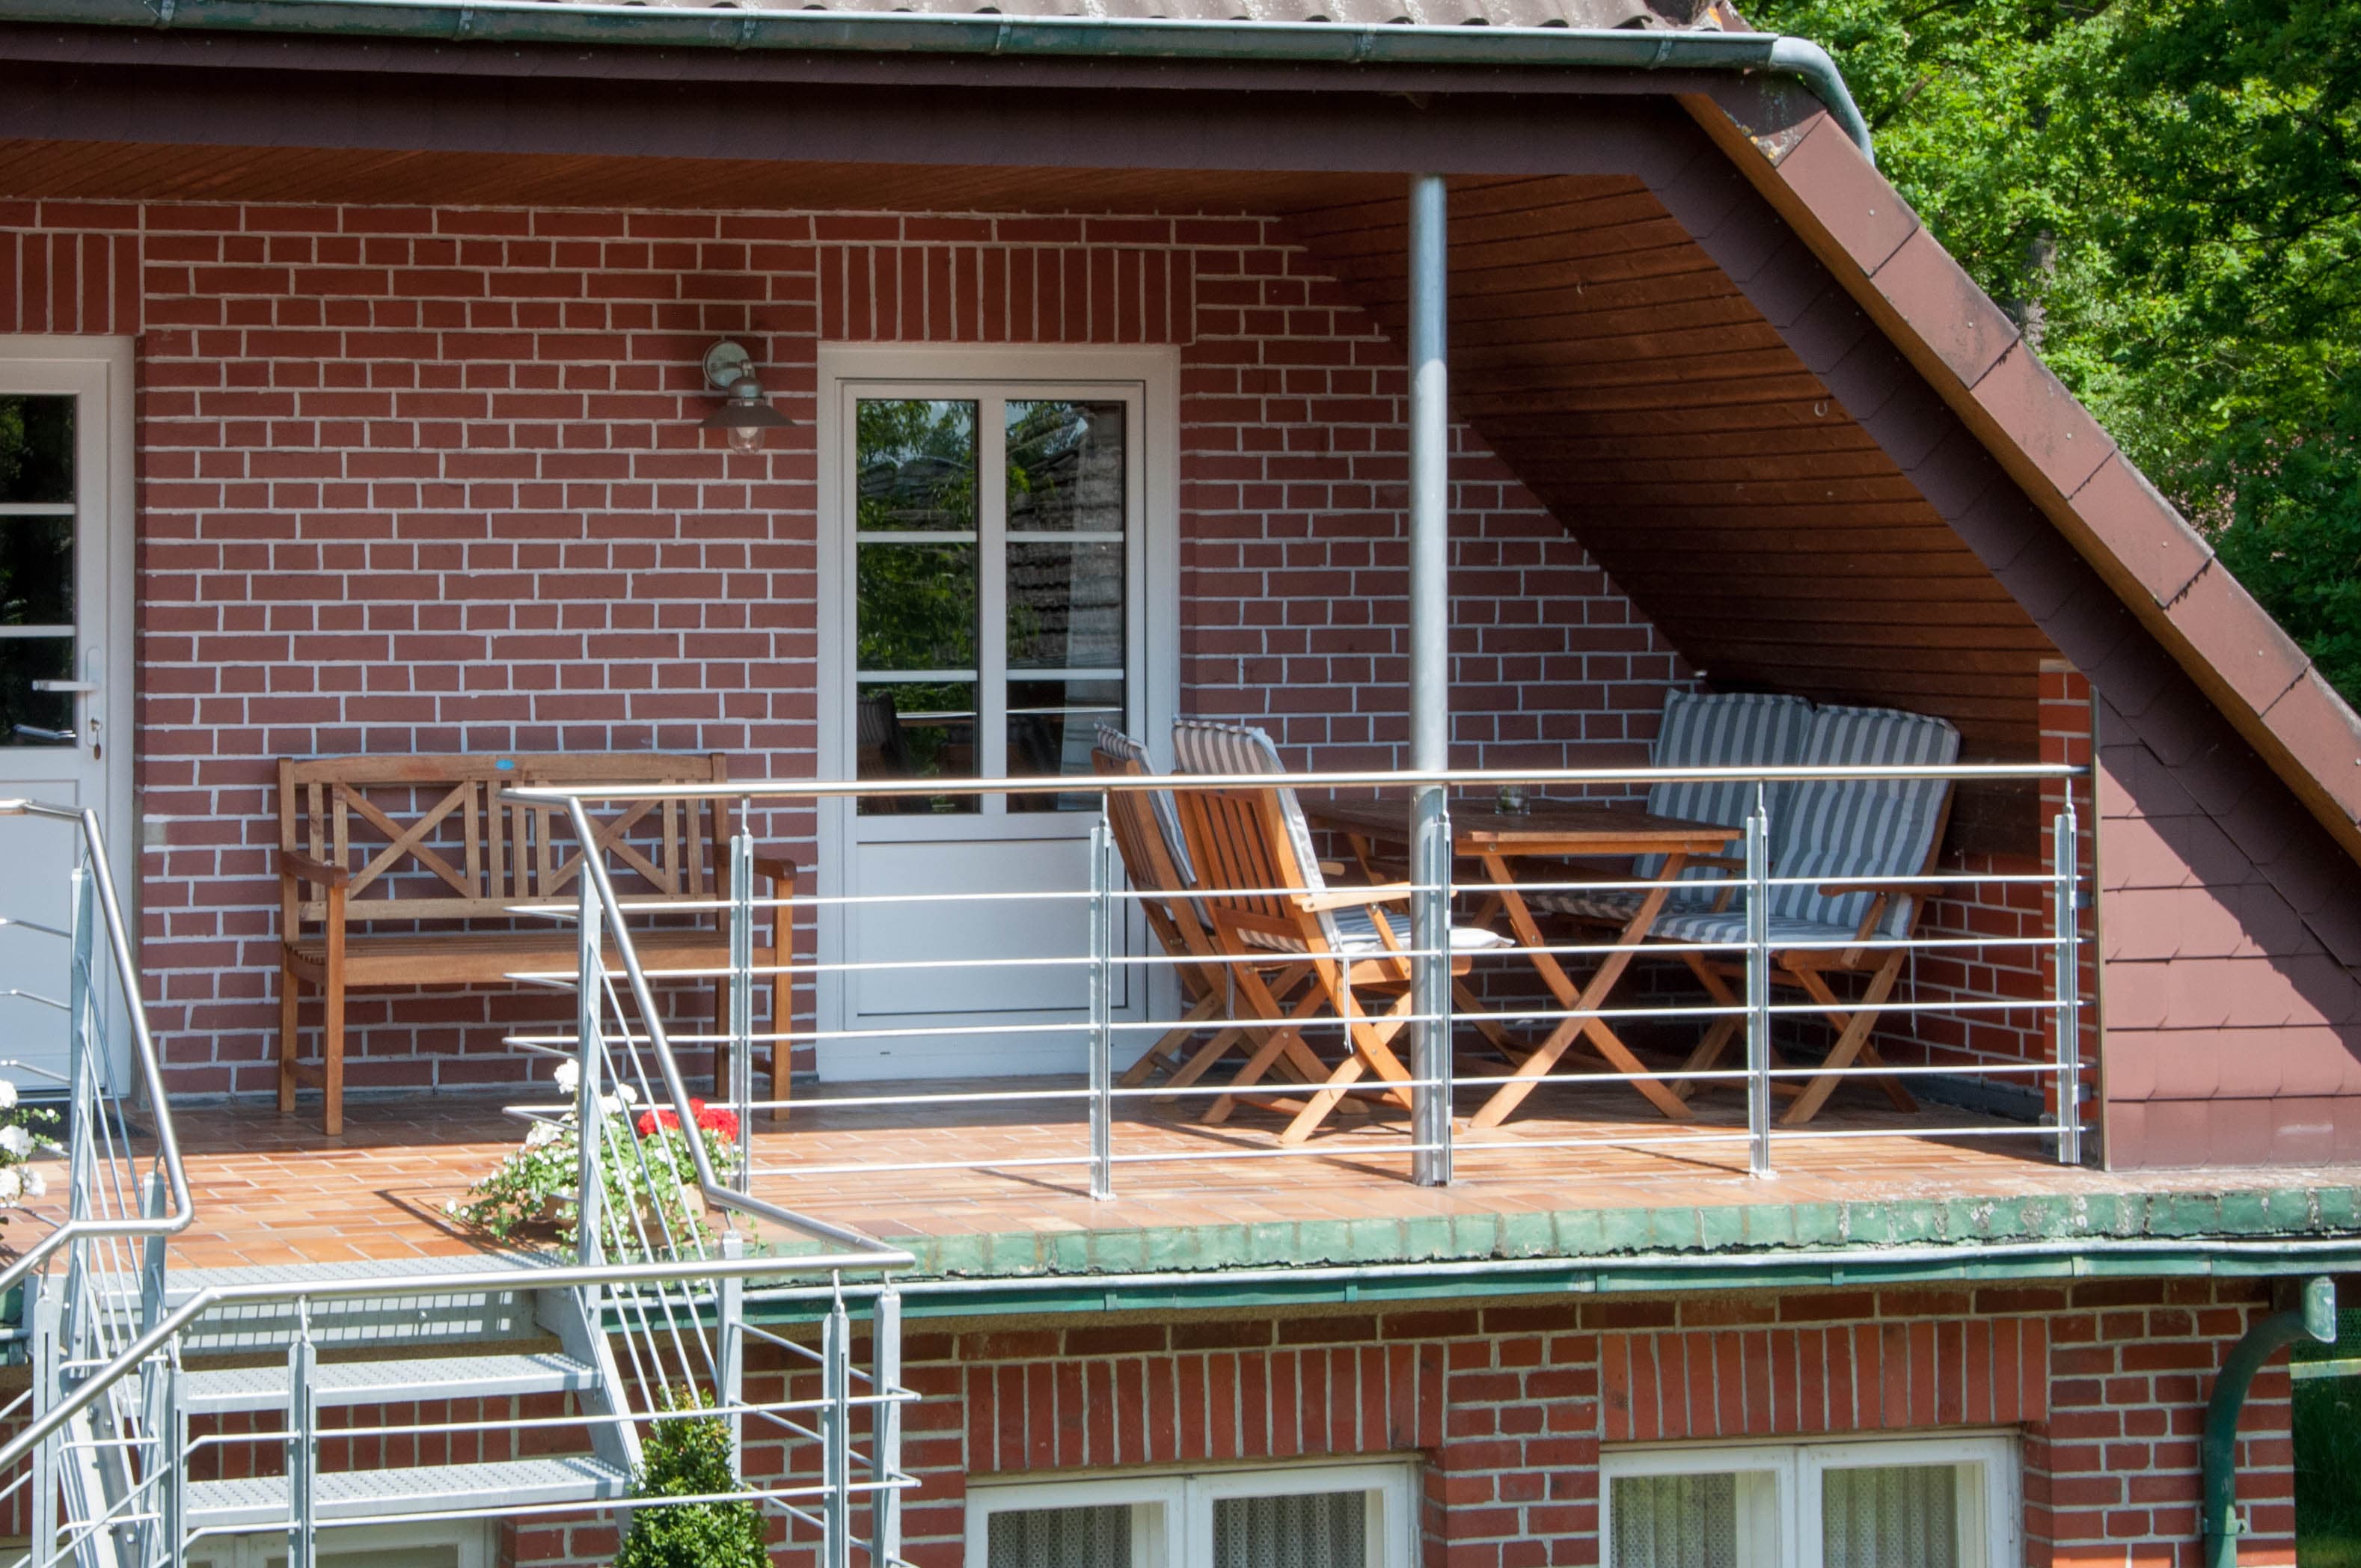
[441, 838]
[1721, 730]
[1862, 829]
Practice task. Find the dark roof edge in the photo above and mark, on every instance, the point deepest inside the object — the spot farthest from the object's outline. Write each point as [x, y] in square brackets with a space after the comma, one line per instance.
[495, 22]
[1975, 358]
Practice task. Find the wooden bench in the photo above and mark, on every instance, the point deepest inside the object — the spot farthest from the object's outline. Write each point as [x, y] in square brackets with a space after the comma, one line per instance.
[438, 846]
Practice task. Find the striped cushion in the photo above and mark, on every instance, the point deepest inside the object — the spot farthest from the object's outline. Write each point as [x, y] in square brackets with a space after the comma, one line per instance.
[1720, 730]
[1352, 932]
[1728, 929]
[1115, 743]
[1603, 904]
[1860, 830]
[1202, 746]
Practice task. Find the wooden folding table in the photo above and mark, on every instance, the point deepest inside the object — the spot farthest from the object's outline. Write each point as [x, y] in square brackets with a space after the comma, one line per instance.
[1552, 828]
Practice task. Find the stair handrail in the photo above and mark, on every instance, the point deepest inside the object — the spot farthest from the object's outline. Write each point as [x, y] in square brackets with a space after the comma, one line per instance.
[873, 1254]
[709, 1183]
[182, 1212]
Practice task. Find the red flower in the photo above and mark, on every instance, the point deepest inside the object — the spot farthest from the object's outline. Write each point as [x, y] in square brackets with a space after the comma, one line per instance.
[712, 1119]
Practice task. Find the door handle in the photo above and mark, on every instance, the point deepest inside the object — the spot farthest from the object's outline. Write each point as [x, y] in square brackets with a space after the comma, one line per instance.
[79, 688]
[38, 733]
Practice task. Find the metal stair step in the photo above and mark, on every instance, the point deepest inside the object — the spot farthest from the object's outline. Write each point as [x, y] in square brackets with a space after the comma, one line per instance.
[261, 1501]
[379, 1382]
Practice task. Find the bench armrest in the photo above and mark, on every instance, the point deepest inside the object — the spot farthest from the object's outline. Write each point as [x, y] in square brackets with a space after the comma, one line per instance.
[1349, 897]
[1898, 885]
[778, 868]
[299, 867]
[1720, 863]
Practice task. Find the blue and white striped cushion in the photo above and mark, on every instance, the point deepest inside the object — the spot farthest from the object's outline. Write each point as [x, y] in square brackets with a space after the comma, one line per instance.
[1720, 730]
[1202, 746]
[1115, 743]
[1728, 928]
[1860, 830]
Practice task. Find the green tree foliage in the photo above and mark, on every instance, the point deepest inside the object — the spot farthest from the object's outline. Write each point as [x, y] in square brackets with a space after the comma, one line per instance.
[688, 1456]
[2168, 192]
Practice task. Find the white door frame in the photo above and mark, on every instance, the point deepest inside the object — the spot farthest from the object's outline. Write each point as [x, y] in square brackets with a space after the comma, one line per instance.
[100, 371]
[1155, 372]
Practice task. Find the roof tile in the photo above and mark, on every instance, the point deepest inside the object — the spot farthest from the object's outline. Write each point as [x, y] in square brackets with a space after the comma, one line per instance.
[2036, 412]
[2142, 529]
[2324, 734]
[1867, 217]
[2246, 647]
[1958, 320]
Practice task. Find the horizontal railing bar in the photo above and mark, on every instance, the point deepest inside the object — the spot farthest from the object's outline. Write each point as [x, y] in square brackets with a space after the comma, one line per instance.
[1476, 779]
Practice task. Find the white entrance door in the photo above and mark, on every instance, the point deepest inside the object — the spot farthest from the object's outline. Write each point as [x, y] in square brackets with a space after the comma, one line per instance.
[65, 654]
[993, 528]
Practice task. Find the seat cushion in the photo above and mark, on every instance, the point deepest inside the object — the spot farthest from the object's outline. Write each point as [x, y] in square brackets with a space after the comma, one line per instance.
[1729, 928]
[1609, 906]
[1356, 933]
[1861, 830]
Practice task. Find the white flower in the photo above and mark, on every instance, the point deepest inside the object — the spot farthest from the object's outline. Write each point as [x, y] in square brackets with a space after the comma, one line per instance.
[569, 1077]
[610, 1105]
[630, 1096]
[7, 1095]
[12, 1187]
[16, 1140]
[35, 1184]
[542, 1133]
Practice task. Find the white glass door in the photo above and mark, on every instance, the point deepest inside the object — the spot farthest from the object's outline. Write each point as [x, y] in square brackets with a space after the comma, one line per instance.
[990, 611]
[64, 657]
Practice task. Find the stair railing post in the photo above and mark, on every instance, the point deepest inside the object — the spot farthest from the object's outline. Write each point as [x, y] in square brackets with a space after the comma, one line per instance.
[79, 1321]
[1101, 943]
[589, 994]
[1758, 985]
[885, 1430]
[48, 1389]
[169, 1435]
[302, 1442]
[2065, 910]
[836, 1438]
[730, 1315]
[742, 999]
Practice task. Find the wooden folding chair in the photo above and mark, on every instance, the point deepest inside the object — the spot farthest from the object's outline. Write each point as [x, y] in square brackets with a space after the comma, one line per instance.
[1261, 888]
[1156, 857]
[1843, 856]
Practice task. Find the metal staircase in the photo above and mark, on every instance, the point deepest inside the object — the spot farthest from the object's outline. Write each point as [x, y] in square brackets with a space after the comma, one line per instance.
[173, 1409]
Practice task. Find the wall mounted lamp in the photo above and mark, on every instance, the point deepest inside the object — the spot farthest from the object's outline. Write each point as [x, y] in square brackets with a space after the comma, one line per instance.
[745, 413]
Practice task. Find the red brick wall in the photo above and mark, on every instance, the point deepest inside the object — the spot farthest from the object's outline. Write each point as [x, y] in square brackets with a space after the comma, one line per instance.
[430, 480]
[1506, 1408]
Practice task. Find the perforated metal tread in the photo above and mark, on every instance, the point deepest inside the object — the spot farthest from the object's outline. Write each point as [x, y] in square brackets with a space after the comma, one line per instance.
[388, 1494]
[376, 1382]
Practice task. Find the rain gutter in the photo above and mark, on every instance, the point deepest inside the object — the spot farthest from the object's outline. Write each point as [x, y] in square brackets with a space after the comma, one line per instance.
[2315, 1320]
[495, 22]
[1611, 1274]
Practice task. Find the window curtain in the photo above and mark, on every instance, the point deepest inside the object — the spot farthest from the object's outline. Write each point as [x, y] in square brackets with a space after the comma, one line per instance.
[1311, 1529]
[1676, 1521]
[1890, 1516]
[1063, 1537]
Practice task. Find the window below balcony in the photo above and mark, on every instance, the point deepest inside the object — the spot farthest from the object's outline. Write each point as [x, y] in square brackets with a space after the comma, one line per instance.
[1932, 1503]
[1301, 1517]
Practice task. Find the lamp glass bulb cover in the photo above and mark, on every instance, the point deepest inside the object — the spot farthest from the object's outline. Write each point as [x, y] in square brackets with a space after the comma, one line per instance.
[746, 437]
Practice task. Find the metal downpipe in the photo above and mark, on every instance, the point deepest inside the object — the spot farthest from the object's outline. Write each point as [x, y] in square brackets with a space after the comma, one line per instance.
[2218, 1515]
[1430, 674]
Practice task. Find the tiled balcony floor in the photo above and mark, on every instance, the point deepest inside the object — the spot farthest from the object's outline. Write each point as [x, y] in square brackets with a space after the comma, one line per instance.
[274, 1189]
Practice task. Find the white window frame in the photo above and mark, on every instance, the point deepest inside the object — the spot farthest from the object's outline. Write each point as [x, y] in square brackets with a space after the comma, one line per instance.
[1992, 1535]
[1186, 1504]
[472, 1537]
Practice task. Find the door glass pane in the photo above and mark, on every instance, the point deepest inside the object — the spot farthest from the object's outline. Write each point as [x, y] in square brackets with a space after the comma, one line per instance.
[916, 729]
[28, 718]
[1674, 1521]
[1065, 467]
[1311, 1529]
[1052, 724]
[1061, 1538]
[35, 448]
[916, 608]
[1065, 605]
[1889, 1514]
[915, 462]
[397, 1557]
[37, 571]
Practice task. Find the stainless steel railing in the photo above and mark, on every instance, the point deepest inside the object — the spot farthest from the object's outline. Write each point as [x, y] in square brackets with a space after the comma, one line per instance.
[1437, 1135]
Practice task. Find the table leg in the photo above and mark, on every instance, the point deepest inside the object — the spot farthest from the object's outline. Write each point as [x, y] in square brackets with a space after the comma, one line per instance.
[1529, 1073]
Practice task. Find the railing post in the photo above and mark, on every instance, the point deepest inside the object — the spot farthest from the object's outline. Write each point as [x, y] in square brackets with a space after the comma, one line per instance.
[1430, 1062]
[836, 1438]
[2065, 907]
[83, 1110]
[730, 1315]
[589, 998]
[1758, 986]
[741, 999]
[302, 1442]
[885, 1430]
[1101, 942]
[48, 1389]
[170, 1439]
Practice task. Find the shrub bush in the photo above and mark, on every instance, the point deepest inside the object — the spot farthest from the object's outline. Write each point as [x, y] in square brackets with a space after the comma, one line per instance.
[687, 1455]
